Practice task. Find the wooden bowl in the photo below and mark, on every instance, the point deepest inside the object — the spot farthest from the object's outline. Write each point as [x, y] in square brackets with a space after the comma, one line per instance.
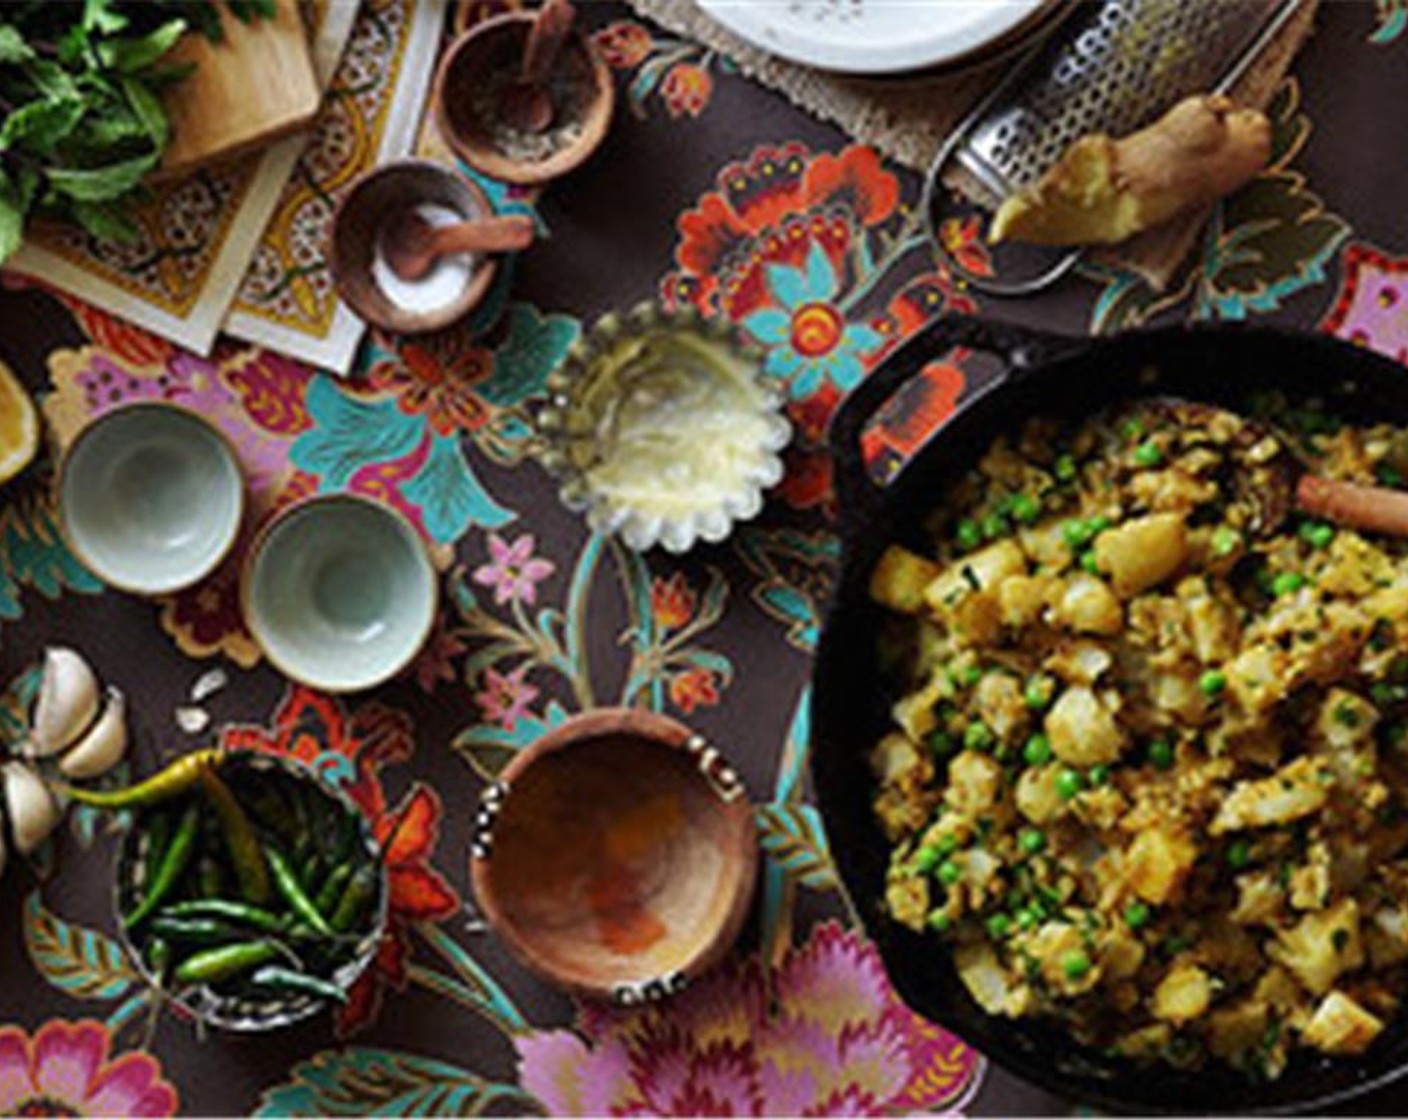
[493, 51]
[374, 200]
[616, 856]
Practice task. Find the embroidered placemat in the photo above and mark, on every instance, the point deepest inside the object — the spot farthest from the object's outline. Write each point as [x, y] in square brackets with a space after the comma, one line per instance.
[196, 233]
[908, 120]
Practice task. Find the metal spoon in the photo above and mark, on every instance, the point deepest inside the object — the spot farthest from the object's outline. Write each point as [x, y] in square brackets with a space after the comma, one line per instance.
[413, 245]
[1284, 481]
[527, 104]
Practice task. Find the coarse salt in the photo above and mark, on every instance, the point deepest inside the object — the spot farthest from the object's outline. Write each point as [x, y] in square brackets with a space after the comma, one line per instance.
[443, 284]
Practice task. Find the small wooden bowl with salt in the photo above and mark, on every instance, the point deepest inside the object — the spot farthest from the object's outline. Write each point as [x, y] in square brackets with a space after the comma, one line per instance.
[615, 857]
[361, 251]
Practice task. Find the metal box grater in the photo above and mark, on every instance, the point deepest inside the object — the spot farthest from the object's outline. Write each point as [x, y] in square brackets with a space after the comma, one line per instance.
[1112, 66]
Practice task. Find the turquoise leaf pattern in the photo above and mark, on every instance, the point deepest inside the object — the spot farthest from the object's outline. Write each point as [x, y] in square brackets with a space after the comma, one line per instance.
[795, 841]
[349, 434]
[1392, 21]
[16, 702]
[487, 747]
[81, 961]
[534, 346]
[362, 1081]
[449, 496]
[32, 554]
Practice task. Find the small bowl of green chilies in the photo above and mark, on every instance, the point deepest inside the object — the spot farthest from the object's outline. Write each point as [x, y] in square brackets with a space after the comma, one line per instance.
[249, 890]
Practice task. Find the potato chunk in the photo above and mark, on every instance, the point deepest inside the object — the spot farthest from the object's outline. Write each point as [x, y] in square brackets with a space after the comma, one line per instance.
[1158, 862]
[1183, 994]
[1082, 730]
[1321, 946]
[900, 578]
[1143, 552]
[982, 570]
[1088, 606]
[1294, 791]
[1341, 1026]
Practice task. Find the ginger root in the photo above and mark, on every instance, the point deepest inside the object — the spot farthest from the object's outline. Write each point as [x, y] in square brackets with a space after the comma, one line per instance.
[1103, 190]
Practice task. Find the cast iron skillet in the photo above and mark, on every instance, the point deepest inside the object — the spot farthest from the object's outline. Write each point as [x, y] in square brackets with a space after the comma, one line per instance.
[1047, 375]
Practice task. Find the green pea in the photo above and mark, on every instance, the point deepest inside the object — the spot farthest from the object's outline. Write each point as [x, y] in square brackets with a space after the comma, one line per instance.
[1212, 682]
[1037, 750]
[1225, 540]
[1098, 524]
[1068, 784]
[1075, 964]
[926, 859]
[1074, 533]
[949, 872]
[1099, 775]
[1239, 854]
[947, 844]
[940, 741]
[1032, 841]
[1028, 918]
[1025, 509]
[1087, 562]
[1383, 694]
[970, 676]
[978, 737]
[1132, 429]
[938, 921]
[998, 926]
[1317, 534]
[1136, 915]
[1160, 754]
[994, 525]
[1387, 475]
[967, 534]
[1148, 454]
[1038, 692]
[1287, 583]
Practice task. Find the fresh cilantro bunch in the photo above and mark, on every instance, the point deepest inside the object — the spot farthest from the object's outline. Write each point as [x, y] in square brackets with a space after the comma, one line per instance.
[80, 86]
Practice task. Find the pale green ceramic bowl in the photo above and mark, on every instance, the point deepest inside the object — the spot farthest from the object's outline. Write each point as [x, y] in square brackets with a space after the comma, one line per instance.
[150, 498]
[339, 592]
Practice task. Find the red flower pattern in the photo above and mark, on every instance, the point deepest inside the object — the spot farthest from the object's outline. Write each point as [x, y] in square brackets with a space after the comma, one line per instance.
[686, 89]
[694, 688]
[672, 601]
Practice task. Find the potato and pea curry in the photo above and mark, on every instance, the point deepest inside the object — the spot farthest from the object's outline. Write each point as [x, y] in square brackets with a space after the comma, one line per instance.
[1148, 773]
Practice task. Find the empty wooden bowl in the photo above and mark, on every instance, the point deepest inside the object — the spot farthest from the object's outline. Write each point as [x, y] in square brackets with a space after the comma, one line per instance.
[482, 66]
[616, 856]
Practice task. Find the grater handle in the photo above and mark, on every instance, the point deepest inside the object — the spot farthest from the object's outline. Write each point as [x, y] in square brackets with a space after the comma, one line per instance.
[1020, 349]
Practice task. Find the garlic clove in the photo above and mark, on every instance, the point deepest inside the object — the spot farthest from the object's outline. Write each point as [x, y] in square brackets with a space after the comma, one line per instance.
[67, 704]
[31, 807]
[104, 744]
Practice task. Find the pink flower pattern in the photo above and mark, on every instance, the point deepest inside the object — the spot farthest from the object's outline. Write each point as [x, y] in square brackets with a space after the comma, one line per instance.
[823, 1035]
[506, 696]
[65, 1070]
[513, 571]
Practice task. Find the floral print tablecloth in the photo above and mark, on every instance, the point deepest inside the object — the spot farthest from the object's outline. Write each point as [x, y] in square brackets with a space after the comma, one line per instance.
[709, 192]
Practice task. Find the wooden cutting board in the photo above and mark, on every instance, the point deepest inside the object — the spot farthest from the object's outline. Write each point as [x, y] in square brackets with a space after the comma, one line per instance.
[254, 87]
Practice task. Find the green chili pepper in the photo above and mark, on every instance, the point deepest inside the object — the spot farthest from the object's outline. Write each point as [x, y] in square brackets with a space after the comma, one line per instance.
[201, 931]
[178, 778]
[287, 980]
[240, 839]
[288, 886]
[158, 829]
[331, 890]
[214, 965]
[311, 871]
[173, 865]
[227, 910]
[159, 956]
[356, 897]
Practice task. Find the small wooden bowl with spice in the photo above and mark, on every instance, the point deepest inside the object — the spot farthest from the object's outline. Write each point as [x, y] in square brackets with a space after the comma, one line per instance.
[365, 230]
[478, 79]
[248, 889]
[615, 857]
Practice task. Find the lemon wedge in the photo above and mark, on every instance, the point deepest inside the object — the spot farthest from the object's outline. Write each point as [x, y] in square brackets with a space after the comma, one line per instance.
[19, 426]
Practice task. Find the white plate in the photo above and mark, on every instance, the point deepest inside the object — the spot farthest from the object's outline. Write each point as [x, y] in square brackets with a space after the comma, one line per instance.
[873, 36]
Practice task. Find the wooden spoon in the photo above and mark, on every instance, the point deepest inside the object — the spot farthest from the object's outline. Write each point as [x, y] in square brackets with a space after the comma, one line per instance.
[527, 104]
[1284, 482]
[413, 244]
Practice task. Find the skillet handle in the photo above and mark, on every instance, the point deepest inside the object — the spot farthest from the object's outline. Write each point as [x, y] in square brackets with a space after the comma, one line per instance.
[1020, 350]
